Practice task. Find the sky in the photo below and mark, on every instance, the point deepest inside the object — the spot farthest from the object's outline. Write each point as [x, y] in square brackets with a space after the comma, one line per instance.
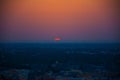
[69, 20]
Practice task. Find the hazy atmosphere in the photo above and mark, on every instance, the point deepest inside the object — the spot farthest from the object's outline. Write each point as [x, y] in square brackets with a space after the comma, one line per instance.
[71, 20]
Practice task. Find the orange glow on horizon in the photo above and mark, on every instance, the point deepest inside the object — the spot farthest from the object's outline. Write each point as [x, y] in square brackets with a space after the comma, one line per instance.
[70, 19]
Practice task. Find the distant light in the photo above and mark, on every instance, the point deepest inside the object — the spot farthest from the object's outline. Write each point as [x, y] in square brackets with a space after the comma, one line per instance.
[57, 38]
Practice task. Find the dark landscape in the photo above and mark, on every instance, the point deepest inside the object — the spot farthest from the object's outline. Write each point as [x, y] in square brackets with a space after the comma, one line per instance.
[60, 61]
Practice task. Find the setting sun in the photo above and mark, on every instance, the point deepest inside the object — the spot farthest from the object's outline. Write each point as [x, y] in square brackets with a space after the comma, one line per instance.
[57, 39]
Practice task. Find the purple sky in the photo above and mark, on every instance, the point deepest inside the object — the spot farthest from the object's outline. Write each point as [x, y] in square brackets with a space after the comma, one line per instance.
[76, 21]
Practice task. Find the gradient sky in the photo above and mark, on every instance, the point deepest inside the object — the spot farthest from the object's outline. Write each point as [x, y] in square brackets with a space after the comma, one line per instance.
[71, 20]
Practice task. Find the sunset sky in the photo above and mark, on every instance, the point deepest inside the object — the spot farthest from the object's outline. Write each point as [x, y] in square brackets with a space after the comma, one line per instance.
[71, 20]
